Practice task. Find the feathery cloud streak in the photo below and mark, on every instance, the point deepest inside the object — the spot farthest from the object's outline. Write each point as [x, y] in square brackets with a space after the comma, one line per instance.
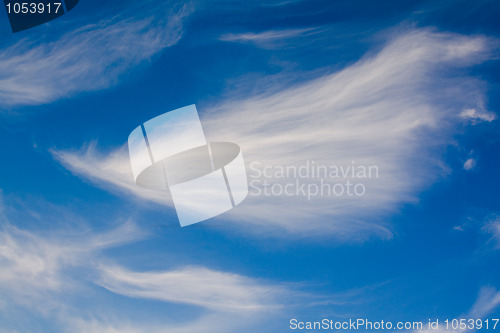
[88, 58]
[31, 264]
[268, 39]
[44, 273]
[393, 110]
[194, 285]
[487, 301]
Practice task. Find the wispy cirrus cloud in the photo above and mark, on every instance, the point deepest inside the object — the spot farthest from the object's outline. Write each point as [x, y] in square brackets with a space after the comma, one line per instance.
[205, 324]
[394, 110]
[32, 265]
[478, 115]
[492, 227]
[198, 286]
[487, 301]
[47, 272]
[269, 38]
[87, 58]
[116, 165]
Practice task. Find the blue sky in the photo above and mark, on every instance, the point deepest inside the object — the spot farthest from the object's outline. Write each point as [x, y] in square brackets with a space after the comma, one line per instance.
[410, 87]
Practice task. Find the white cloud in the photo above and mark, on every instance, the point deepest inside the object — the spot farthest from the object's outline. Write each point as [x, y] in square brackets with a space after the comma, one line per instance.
[112, 171]
[88, 58]
[487, 301]
[31, 264]
[198, 286]
[280, 3]
[493, 227]
[391, 110]
[50, 272]
[34, 263]
[216, 322]
[470, 164]
[270, 38]
[475, 115]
